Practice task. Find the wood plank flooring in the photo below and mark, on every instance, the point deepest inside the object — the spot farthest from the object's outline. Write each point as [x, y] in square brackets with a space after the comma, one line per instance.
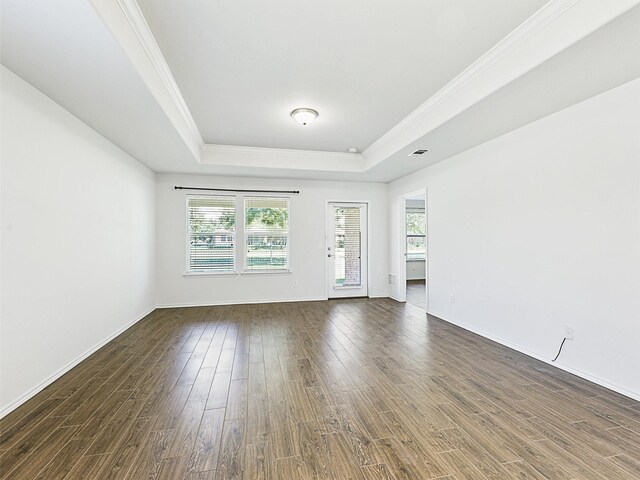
[417, 293]
[346, 389]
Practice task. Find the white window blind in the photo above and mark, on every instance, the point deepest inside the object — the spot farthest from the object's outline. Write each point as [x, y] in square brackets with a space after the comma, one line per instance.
[266, 233]
[212, 232]
[347, 247]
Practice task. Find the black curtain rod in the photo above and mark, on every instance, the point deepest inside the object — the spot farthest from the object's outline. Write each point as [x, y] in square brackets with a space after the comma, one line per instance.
[235, 190]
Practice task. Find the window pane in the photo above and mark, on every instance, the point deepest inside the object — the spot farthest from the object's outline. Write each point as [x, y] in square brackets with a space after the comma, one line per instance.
[416, 247]
[415, 224]
[212, 223]
[267, 233]
[266, 252]
[416, 244]
[347, 247]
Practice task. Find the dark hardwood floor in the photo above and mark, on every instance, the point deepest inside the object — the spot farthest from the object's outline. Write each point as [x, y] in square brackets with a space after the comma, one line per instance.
[417, 293]
[340, 389]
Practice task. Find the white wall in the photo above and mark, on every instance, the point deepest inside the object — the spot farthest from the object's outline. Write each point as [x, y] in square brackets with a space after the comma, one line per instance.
[307, 238]
[539, 229]
[78, 238]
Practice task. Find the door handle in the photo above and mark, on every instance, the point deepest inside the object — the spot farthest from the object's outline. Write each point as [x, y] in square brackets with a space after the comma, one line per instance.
[328, 255]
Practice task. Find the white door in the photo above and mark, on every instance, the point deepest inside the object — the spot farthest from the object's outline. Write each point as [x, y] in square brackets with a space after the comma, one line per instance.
[347, 249]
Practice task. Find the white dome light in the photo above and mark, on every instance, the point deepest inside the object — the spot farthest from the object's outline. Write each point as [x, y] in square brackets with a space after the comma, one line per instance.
[304, 116]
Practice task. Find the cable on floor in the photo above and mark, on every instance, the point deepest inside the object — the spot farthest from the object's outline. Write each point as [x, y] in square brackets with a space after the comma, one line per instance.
[561, 345]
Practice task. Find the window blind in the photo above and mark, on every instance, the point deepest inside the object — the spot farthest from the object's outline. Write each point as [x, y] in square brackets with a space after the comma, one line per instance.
[266, 233]
[212, 226]
[347, 249]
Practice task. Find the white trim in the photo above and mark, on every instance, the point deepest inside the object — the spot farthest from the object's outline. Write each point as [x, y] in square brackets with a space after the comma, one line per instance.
[283, 271]
[280, 158]
[540, 37]
[209, 274]
[52, 378]
[547, 14]
[243, 302]
[286, 152]
[140, 27]
[560, 365]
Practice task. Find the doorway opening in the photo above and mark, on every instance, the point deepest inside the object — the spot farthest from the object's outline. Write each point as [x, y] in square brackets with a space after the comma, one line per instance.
[414, 241]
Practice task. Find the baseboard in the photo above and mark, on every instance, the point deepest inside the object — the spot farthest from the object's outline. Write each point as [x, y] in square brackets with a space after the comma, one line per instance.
[52, 378]
[599, 381]
[245, 302]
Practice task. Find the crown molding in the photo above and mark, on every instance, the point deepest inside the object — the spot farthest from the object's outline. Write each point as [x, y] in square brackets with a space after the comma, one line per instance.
[548, 13]
[127, 24]
[557, 25]
[239, 156]
[139, 24]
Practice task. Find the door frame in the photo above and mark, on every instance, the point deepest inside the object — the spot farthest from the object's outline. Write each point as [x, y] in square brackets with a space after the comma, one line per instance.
[401, 258]
[326, 242]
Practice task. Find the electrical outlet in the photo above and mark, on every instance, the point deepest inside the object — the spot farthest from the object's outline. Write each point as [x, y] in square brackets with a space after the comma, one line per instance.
[568, 333]
[295, 283]
[452, 298]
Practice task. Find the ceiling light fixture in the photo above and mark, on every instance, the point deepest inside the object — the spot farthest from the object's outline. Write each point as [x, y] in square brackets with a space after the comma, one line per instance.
[304, 116]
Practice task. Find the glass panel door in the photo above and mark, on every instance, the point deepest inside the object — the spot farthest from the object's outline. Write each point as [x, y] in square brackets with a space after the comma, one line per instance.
[346, 250]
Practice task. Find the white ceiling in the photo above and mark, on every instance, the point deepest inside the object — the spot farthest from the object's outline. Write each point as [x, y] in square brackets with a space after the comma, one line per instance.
[65, 51]
[242, 66]
[603, 60]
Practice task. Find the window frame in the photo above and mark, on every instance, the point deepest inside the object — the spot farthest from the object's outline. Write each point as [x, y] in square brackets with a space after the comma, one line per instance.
[188, 271]
[272, 271]
[239, 255]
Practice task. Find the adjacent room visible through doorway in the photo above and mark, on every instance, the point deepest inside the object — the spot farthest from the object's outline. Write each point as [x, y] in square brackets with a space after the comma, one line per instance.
[416, 249]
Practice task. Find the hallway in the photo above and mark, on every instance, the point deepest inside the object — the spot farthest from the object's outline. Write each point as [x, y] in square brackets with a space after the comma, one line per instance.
[416, 293]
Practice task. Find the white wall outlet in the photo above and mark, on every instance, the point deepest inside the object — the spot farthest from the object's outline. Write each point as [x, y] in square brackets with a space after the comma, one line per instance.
[568, 333]
[452, 298]
[295, 283]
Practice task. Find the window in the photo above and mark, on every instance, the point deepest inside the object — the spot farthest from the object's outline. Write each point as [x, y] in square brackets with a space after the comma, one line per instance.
[212, 230]
[416, 239]
[266, 230]
[216, 224]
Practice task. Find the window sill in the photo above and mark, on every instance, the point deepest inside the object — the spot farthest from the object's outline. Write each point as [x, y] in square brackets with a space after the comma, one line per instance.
[266, 272]
[347, 287]
[208, 274]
